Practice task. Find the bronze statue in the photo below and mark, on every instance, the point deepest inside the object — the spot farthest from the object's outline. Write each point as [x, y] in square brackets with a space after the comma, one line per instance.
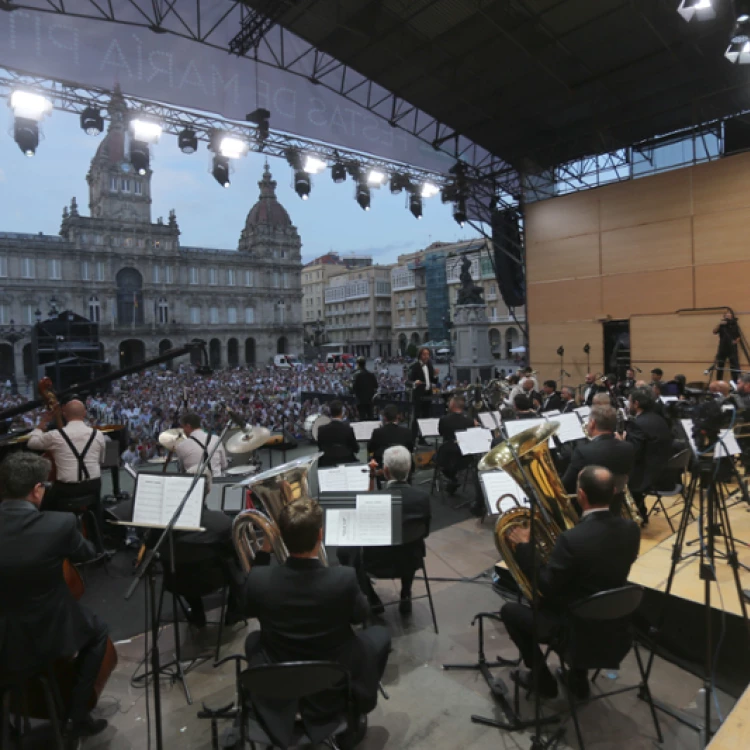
[469, 293]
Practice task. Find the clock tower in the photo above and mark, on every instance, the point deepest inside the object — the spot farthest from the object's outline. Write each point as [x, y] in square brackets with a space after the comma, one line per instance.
[116, 191]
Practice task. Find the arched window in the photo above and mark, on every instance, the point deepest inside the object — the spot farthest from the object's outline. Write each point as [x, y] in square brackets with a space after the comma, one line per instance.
[163, 310]
[95, 310]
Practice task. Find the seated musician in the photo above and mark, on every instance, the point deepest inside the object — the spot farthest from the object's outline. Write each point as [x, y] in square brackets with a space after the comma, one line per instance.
[522, 408]
[391, 433]
[192, 451]
[306, 611]
[568, 399]
[651, 437]
[406, 558]
[40, 621]
[449, 457]
[551, 399]
[603, 449]
[592, 387]
[719, 389]
[741, 401]
[594, 556]
[78, 452]
[337, 439]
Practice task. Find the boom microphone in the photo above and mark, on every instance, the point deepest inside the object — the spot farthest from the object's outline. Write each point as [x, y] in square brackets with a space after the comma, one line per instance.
[239, 420]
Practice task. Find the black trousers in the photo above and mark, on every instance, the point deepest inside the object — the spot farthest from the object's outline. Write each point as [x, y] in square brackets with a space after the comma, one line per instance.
[422, 407]
[364, 410]
[517, 619]
[62, 497]
[354, 557]
[87, 665]
[734, 363]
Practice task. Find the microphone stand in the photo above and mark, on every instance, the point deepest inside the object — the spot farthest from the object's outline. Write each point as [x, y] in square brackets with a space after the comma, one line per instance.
[146, 572]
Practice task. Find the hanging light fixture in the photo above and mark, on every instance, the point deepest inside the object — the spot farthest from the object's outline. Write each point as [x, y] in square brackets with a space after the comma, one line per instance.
[92, 122]
[220, 170]
[702, 10]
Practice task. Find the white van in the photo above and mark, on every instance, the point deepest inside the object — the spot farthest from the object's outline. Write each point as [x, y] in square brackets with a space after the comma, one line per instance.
[287, 362]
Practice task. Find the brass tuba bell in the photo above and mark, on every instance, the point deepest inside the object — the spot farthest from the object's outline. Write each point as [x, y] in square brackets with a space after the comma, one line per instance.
[532, 451]
[274, 488]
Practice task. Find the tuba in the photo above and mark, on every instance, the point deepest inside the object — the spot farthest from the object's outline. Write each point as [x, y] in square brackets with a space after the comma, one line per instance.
[530, 446]
[274, 488]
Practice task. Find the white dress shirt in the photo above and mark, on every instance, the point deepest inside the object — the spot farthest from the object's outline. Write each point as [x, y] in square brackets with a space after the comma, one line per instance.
[191, 454]
[426, 372]
[66, 464]
[589, 511]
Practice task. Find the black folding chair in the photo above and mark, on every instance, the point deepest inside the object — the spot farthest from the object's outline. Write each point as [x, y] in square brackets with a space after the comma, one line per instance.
[676, 467]
[600, 636]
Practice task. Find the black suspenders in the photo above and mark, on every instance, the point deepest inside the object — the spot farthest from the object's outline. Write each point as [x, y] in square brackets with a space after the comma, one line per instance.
[83, 472]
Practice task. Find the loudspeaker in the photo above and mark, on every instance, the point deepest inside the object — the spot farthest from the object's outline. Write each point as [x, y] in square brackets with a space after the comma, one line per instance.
[736, 135]
[509, 263]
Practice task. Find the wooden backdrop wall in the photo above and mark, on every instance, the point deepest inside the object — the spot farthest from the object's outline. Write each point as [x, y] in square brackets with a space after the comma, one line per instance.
[640, 250]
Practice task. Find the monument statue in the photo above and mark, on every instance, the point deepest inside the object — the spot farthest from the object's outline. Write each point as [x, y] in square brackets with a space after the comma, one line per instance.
[469, 293]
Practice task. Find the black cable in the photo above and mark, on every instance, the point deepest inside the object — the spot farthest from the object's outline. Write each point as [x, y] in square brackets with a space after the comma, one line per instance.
[145, 658]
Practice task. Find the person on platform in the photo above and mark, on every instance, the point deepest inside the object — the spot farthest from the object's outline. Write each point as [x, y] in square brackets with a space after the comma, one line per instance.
[568, 400]
[422, 377]
[406, 558]
[306, 611]
[627, 384]
[551, 399]
[602, 449]
[78, 452]
[594, 556]
[651, 437]
[197, 446]
[337, 439]
[40, 621]
[364, 388]
[449, 457]
[391, 433]
[728, 331]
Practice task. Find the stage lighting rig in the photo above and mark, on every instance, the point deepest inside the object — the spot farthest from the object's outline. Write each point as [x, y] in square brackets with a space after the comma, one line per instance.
[26, 135]
[375, 177]
[702, 10]
[28, 111]
[187, 141]
[429, 190]
[261, 118]
[140, 156]
[256, 23]
[312, 164]
[400, 182]
[363, 196]
[220, 170]
[738, 50]
[459, 212]
[415, 205]
[302, 184]
[92, 122]
[338, 172]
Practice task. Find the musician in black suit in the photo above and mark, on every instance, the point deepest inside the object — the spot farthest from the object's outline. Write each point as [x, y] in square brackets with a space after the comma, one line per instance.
[449, 457]
[306, 611]
[391, 433]
[40, 621]
[364, 387]
[603, 449]
[522, 408]
[551, 399]
[592, 386]
[651, 437]
[422, 377]
[337, 439]
[594, 556]
[568, 399]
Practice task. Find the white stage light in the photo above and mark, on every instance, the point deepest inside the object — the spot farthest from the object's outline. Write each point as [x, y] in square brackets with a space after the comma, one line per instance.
[375, 177]
[313, 165]
[703, 10]
[29, 106]
[146, 131]
[429, 190]
[232, 147]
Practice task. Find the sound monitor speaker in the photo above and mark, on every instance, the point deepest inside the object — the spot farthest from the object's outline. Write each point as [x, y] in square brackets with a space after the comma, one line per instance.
[509, 263]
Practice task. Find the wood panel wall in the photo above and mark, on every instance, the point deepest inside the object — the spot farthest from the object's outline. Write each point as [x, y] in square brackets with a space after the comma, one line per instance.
[640, 250]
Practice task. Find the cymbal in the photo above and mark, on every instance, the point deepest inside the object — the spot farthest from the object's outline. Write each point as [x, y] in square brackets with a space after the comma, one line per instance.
[158, 460]
[244, 442]
[169, 438]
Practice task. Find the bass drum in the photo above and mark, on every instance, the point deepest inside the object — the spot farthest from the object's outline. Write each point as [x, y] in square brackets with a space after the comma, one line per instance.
[313, 423]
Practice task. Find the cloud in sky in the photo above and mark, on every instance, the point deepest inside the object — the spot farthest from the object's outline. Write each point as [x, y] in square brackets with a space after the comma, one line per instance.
[34, 191]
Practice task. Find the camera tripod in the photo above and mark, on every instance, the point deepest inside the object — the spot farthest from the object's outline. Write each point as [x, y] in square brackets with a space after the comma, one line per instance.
[713, 522]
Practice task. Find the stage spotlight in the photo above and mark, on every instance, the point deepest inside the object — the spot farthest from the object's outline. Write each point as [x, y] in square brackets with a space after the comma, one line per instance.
[220, 170]
[398, 183]
[376, 177]
[313, 165]
[26, 135]
[703, 10]
[139, 156]
[29, 106]
[232, 147]
[187, 141]
[459, 212]
[92, 122]
[261, 118]
[146, 131]
[429, 190]
[415, 205]
[302, 183]
[363, 196]
[449, 194]
[738, 53]
[338, 172]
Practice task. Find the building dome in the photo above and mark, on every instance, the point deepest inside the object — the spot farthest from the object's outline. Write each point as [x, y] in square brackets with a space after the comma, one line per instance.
[111, 150]
[268, 210]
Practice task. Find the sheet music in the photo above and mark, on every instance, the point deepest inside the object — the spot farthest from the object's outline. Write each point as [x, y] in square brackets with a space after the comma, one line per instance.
[158, 496]
[357, 477]
[570, 428]
[374, 520]
[519, 425]
[552, 413]
[429, 427]
[363, 430]
[668, 399]
[488, 422]
[730, 441]
[148, 500]
[499, 483]
[341, 528]
[474, 440]
[583, 411]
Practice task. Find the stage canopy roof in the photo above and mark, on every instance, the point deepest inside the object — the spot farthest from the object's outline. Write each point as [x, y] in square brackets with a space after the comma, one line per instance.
[536, 82]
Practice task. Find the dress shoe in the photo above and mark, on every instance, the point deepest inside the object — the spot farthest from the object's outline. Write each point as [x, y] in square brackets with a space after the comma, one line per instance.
[524, 679]
[404, 606]
[87, 727]
[579, 686]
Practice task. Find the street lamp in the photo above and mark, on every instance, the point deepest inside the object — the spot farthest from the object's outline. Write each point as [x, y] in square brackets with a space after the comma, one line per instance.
[53, 311]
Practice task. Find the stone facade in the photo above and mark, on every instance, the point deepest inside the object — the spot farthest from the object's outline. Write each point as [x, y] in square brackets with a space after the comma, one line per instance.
[147, 290]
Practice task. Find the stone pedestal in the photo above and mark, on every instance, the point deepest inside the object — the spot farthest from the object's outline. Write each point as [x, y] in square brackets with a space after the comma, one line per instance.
[473, 359]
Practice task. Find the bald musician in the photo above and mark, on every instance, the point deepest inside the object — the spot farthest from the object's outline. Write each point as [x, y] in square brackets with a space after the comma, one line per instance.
[78, 452]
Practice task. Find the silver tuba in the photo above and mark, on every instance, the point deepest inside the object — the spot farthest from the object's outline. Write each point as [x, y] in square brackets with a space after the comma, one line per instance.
[274, 488]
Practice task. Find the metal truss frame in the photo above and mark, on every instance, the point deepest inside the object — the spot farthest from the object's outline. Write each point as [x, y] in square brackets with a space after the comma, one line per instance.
[279, 48]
